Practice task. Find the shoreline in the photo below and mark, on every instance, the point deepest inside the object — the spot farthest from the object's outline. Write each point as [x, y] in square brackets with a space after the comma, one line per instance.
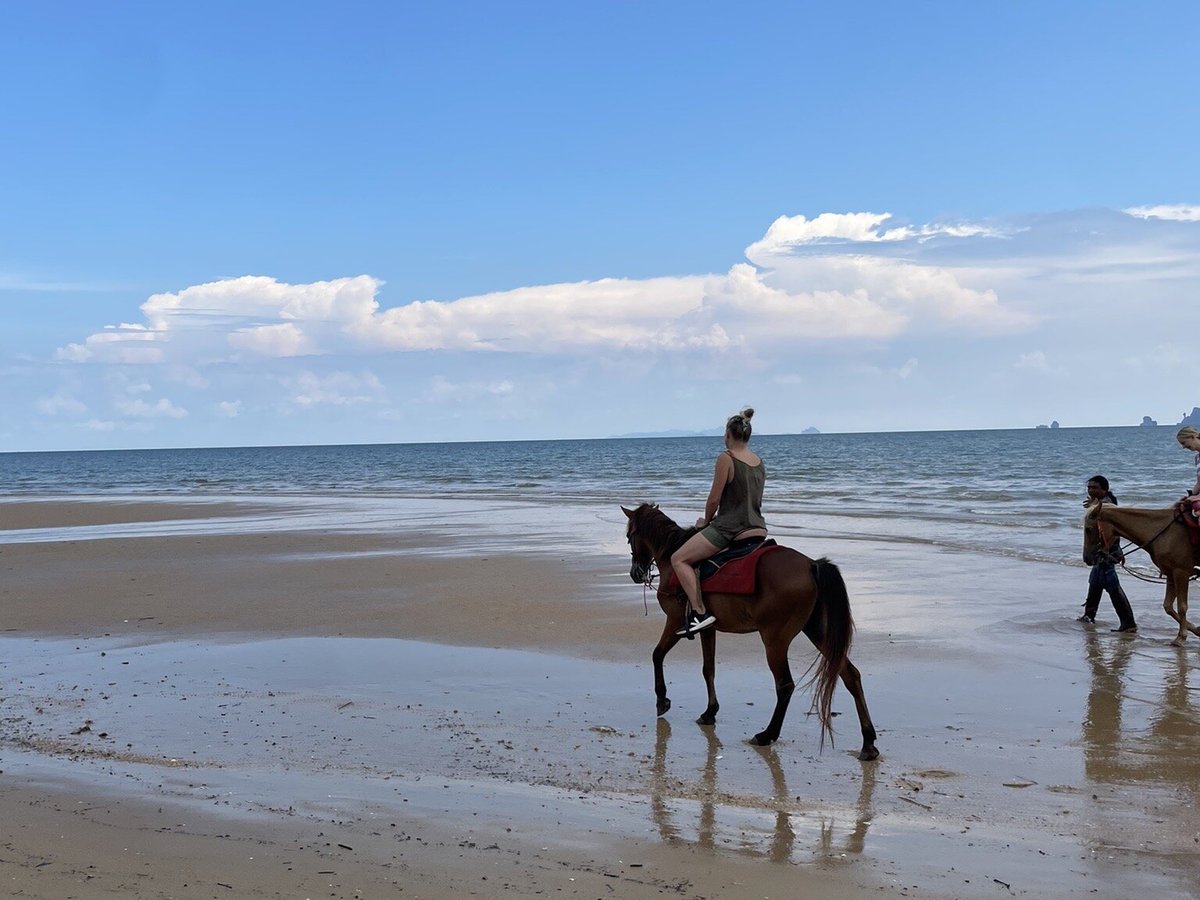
[1022, 752]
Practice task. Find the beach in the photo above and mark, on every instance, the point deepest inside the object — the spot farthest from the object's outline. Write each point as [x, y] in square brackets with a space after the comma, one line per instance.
[442, 698]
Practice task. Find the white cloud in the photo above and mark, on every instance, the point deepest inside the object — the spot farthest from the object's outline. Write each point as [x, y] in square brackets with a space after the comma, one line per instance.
[137, 408]
[62, 403]
[257, 296]
[335, 389]
[124, 343]
[1163, 358]
[1036, 361]
[286, 339]
[885, 297]
[814, 296]
[789, 233]
[442, 389]
[1180, 212]
[842, 305]
[611, 313]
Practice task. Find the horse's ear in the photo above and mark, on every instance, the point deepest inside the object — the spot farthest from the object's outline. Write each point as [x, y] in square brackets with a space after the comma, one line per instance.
[628, 512]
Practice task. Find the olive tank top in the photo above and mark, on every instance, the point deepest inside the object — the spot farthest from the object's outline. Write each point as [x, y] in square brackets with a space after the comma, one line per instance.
[741, 499]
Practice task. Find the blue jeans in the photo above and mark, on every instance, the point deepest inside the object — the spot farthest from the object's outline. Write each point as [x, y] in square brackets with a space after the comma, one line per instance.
[1103, 577]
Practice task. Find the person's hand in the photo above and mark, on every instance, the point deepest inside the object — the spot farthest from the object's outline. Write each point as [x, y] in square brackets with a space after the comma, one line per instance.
[700, 523]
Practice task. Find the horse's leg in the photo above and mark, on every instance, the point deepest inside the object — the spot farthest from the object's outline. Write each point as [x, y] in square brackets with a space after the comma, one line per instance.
[668, 640]
[1169, 607]
[853, 682]
[777, 658]
[814, 630]
[708, 645]
[1181, 598]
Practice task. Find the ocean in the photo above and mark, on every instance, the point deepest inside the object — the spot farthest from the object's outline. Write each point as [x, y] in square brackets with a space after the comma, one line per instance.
[1015, 493]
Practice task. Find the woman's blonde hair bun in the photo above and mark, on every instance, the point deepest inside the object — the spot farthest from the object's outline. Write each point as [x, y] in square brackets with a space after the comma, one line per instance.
[738, 424]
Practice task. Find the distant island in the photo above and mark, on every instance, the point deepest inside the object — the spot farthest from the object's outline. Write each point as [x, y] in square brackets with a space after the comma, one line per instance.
[1053, 424]
[1192, 418]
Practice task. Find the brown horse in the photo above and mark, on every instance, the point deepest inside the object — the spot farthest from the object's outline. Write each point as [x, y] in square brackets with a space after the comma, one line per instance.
[793, 593]
[1161, 533]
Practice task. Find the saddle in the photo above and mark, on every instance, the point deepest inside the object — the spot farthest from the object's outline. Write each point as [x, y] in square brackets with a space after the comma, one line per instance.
[731, 571]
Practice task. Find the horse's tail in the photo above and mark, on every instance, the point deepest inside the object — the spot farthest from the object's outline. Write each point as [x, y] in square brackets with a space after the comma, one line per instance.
[835, 644]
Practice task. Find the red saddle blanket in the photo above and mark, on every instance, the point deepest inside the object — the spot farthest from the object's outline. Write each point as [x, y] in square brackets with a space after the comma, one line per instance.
[734, 577]
[1193, 526]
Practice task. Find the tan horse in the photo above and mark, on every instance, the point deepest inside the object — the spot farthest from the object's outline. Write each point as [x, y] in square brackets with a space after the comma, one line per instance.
[1161, 533]
[793, 594]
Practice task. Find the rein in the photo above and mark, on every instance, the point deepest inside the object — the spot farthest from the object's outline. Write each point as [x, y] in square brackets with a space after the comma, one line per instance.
[648, 582]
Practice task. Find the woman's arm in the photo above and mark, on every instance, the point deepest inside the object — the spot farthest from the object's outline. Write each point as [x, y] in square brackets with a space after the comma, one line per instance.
[721, 475]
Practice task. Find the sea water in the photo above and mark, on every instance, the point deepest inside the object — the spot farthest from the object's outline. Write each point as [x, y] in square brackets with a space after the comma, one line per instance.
[1015, 493]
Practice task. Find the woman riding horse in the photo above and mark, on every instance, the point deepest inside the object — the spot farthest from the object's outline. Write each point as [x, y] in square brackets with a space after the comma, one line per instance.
[733, 511]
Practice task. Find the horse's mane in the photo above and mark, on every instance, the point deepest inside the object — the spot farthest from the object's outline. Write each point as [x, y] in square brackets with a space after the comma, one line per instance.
[660, 529]
[1127, 515]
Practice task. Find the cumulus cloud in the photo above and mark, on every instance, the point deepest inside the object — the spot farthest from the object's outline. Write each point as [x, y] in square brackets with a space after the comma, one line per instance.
[124, 343]
[286, 339]
[256, 296]
[608, 313]
[836, 277]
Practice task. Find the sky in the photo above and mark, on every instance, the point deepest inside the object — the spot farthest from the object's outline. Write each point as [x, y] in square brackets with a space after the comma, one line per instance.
[241, 224]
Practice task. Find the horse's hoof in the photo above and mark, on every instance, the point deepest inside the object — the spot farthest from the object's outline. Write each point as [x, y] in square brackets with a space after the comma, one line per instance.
[1178, 642]
[868, 754]
[762, 739]
[706, 719]
[663, 706]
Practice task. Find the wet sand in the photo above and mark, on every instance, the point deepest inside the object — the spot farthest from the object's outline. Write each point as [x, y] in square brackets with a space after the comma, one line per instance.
[440, 712]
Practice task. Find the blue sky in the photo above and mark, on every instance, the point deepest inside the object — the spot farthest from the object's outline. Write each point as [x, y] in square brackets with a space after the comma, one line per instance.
[263, 223]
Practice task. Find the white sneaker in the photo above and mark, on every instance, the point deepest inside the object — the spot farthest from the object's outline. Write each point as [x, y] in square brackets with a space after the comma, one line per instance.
[693, 622]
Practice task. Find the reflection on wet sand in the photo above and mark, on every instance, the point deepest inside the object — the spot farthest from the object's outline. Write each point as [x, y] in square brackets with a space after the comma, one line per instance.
[729, 821]
[1141, 753]
[1126, 742]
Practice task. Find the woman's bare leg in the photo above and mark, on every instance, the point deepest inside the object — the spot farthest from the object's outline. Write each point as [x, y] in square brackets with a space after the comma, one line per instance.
[697, 548]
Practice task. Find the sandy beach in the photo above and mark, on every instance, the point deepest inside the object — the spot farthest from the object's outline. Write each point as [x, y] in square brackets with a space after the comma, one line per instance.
[243, 700]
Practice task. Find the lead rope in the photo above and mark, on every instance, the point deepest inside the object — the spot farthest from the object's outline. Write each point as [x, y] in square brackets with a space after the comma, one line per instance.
[647, 583]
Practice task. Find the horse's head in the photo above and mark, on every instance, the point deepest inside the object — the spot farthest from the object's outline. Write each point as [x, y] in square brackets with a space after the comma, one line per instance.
[639, 546]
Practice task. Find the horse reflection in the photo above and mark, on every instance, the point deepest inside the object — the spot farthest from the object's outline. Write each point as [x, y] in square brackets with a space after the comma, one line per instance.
[1122, 744]
[780, 847]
